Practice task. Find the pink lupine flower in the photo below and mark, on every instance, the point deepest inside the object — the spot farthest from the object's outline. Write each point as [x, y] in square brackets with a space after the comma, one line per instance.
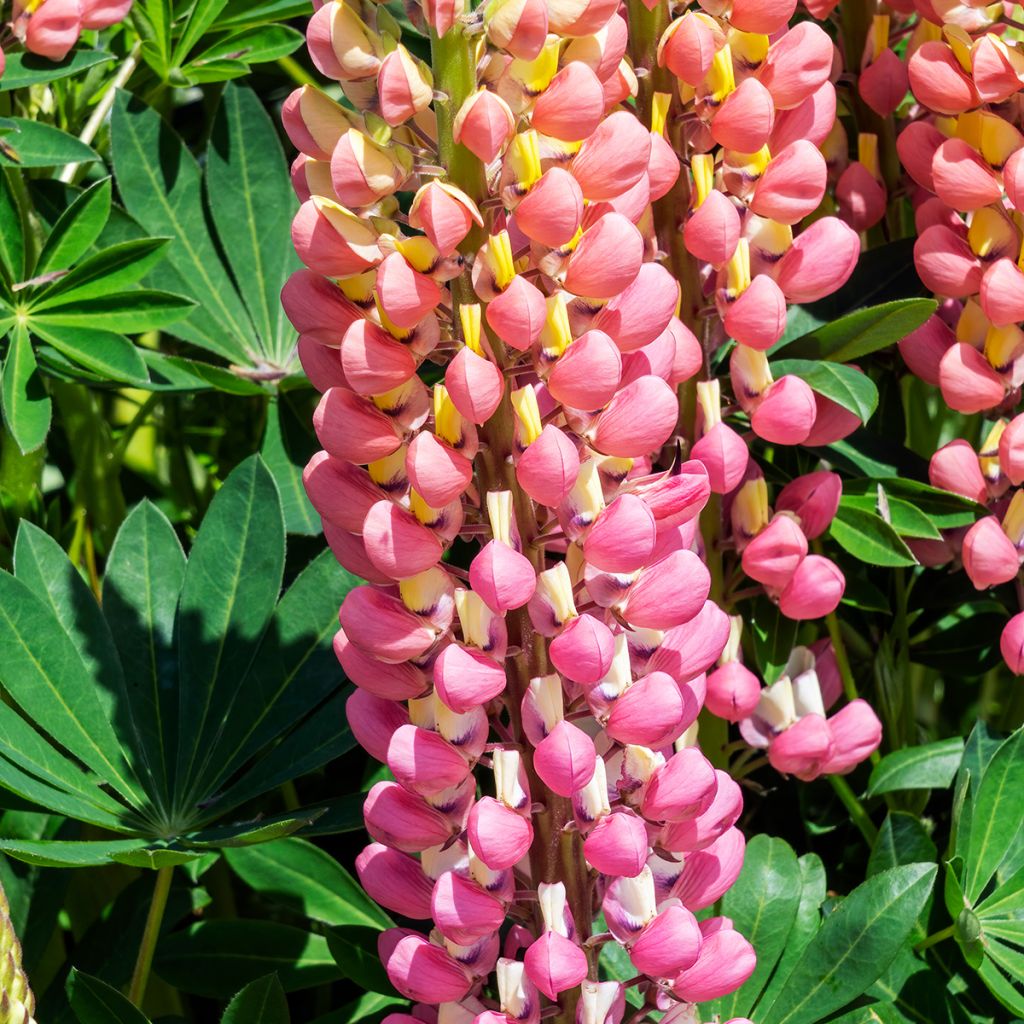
[713, 231]
[642, 311]
[51, 29]
[614, 158]
[606, 260]
[99, 14]
[954, 467]
[551, 212]
[792, 185]
[883, 83]
[968, 382]
[395, 881]
[724, 963]
[916, 146]
[938, 81]
[820, 260]
[617, 845]
[797, 64]
[812, 119]
[707, 874]
[856, 734]
[786, 412]
[668, 944]
[700, 832]
[745, 120]
[688, 47]
[989, 556]
[815, 589]
[1011, 644]
[588, 373]
[554, 962]
[1011, 451]
[757, 318]
[680, 789]
[420, 970]
[403, 681]
[961, 177]
[402, 820]
[773, 556]
[484, 124]
[572, 105]
[923, 349]
[813, 499]
[565, 759]
[463, 910]
[804, 748]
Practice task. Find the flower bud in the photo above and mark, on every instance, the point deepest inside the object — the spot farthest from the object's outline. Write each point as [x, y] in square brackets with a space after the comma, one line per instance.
[420, 970]
[815, 589]
[725, 962]
[1011, 644]
[814, 499]
[989, 556]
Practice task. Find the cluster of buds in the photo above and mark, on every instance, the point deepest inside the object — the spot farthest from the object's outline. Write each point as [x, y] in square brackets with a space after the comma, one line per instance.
[963, 152]
[774, 548]
[50, 28]
[990, 550]
[17, 1003]
[758, 110]
[491, 313]
[565, 669]
[790, 719]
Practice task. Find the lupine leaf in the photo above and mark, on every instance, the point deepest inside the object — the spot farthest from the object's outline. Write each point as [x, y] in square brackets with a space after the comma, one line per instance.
[113, 269]
[309, 881]
[132, 312]
[929, 766]
[12, 243]
[45, 674]
[869, 538]
[283, 435]
[763, 904]
[906, 519]
[860, 333]
[49, 853]
[143, 579]
[111, 356]
[854, 945]
[26, 405]
[902, 839]
[95, 1002]
[41, 564]
[844, 385]
[260, 1002]
[996, 821]
[36, 144]
[294, 669]
[251, 205]
[26, 69]
[159, 181]
[229, 593]
[76, 229]
[216, 958]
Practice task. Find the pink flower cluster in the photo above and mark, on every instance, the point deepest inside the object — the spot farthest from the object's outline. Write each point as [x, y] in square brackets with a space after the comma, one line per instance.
[498, 353]
[963, 152]
[51, 28]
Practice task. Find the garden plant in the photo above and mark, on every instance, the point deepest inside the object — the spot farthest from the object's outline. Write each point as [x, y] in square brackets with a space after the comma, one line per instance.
[511, 513]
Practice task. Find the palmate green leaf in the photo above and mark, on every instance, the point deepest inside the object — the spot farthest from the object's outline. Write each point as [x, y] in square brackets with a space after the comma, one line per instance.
[1001, 987]
[77, 228]
[844, 385]
[996, 822]
[200, 18]
[229, 593]
[322, 738]
[36, 144]
[26, 69]
[109, 355]
[763, 904]
[249, 46]
[354, 949]
[929, 766]
[245, 13]
[250, 201]
[774, 639]
[26, 405]
[54, 798]
[159, 181]
[30, 752]
[307, 880]
[1006, 900]
[286, 450]
[860, 333]
[178, 374]
[368, 1006]
[869, 538]
[153, 20]
[12, 242]
[45, 674]
[854, 945]
[95, 1002]
[113, 269]
[943, 508]
[294, 670]
[813, 890]
[251, 833]
[143, 579]
[906, 519]
[902, 839]
[216, 958]
[41, 564]
[217, 70]
[133, 312]
[50, 853]
[260, 1002]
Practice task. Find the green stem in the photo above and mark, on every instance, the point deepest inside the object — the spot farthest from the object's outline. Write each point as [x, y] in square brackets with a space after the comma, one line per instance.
[857, 812]
[154, 919]
[935, 938]
[21, 475]
[296, 72]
